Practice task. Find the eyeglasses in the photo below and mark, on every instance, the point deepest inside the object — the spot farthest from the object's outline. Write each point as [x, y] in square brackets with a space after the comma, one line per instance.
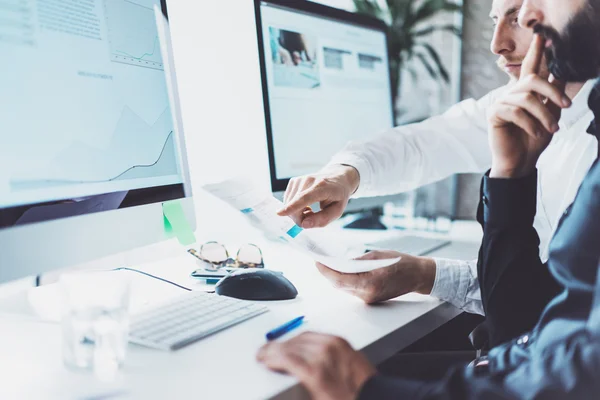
[216, 256]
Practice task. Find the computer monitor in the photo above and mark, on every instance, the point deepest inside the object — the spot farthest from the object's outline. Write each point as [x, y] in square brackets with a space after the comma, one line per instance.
[92, 141]
[326, 82]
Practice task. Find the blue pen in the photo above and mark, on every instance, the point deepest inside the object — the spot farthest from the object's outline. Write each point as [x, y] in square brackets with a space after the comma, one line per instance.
[285, 328]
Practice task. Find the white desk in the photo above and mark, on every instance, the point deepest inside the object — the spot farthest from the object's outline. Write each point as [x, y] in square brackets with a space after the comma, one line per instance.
[223, 366]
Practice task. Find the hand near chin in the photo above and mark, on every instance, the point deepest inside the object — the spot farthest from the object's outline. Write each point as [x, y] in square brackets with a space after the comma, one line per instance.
[523, 121]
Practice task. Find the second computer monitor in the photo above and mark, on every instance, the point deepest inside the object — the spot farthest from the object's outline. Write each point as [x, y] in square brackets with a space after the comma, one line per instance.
[325, 82]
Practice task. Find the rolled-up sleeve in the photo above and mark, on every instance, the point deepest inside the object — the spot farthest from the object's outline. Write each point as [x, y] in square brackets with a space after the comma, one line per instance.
[456, 282]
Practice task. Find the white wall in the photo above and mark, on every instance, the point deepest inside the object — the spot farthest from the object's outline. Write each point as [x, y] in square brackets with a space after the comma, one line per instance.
[216, 61]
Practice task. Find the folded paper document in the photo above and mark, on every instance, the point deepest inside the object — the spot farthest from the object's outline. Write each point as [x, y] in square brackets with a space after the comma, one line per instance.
[261, 208]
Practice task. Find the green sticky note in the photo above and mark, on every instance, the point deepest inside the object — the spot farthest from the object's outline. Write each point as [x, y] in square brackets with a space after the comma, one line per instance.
[176, 223]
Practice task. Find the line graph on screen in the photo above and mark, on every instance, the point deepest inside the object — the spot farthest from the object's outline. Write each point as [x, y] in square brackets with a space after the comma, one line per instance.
[136, 150]
[139, 47]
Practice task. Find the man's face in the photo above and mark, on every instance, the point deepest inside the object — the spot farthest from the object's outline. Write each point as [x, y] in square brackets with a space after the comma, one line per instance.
[572, 32]
[510, 41]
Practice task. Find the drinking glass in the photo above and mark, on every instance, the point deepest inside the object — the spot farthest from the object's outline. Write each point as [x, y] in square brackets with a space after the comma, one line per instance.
[95, 320]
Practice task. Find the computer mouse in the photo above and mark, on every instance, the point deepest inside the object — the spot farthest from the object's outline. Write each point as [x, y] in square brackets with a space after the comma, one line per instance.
[256, 284]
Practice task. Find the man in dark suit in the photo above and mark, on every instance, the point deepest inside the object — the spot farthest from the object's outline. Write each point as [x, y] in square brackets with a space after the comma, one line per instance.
[560, 357]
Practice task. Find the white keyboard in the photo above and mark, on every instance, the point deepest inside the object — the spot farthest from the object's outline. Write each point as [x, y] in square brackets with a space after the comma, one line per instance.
[413, 245]
[189, 318]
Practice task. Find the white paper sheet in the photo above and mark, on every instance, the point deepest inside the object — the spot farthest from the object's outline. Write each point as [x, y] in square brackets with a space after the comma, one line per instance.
[261, 209]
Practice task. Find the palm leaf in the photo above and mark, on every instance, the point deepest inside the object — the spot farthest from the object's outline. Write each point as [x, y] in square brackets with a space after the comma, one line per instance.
[443, 73]
[406, 33]
[368, 7]
[429, 8]
[409, 10]
[446, 28]
[400, 9]
[413, 72]
[426, 64]
[396, 7]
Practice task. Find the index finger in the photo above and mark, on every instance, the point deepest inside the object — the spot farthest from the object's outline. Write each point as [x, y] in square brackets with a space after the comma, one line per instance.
[533, 59]
[560, 85]
[300, 203]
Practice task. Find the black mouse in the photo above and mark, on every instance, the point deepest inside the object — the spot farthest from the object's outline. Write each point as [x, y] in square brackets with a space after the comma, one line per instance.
[256, 284]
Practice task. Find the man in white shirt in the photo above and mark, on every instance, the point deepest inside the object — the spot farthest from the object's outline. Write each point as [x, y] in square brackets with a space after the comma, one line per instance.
[456, 142]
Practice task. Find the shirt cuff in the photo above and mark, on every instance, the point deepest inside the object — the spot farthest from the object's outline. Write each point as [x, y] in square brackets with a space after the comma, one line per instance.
[509, 202]
[362, 166]
[451, 281]
[385, 388]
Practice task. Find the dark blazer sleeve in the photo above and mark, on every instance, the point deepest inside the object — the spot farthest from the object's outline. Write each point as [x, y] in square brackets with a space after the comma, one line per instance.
[457, 385]
[515, 285]
[567, 369]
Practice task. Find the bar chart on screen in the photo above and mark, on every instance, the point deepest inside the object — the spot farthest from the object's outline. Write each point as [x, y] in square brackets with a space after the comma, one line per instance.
[140, 48]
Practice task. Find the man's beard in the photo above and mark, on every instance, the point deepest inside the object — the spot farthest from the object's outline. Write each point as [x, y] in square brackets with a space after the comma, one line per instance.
[574, 55]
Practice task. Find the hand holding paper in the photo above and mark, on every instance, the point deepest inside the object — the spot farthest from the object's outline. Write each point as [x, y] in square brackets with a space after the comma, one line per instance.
[411, 274]
[262, 209]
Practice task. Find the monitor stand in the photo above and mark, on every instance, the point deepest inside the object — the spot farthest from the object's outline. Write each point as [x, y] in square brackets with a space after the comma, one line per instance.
[369, 220]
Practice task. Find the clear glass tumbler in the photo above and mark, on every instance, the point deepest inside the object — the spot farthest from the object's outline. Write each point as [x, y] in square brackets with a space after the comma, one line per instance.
[95, 320]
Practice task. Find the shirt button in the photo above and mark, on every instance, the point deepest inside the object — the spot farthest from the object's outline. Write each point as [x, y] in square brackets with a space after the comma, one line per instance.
[485, 200]
[523, 340]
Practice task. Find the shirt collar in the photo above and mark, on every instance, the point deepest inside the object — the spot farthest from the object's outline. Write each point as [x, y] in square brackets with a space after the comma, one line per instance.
[594, 105]
[579, 108]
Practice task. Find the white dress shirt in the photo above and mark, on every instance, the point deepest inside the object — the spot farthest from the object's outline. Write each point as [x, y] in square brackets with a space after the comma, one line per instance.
[407, 157]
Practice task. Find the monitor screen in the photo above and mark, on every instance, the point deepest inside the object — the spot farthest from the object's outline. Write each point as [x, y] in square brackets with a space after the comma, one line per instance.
[85, 121]
[326, 82]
